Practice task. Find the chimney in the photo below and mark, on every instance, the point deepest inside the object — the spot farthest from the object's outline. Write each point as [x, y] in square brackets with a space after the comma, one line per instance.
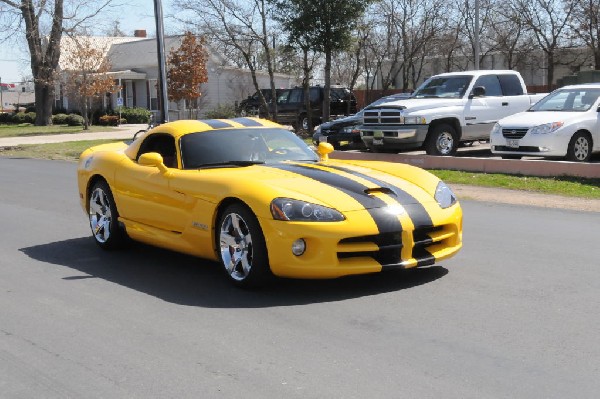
[140, 33]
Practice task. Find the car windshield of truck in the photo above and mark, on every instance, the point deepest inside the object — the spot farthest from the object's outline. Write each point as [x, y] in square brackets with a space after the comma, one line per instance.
[568, 100]
[443, 87]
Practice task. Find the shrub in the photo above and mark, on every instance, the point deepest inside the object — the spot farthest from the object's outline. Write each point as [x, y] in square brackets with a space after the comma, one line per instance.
[135, 115]
[74, 120]
[21, 117]
[59, 119]
[221, 112]
[6, 117]
[109, 120]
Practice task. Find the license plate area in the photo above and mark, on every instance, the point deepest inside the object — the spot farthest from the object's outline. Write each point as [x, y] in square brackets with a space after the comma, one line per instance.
[512, 143]
[378, 137]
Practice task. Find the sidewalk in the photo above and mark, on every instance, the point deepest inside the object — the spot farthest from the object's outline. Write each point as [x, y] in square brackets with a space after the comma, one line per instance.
[124, 132]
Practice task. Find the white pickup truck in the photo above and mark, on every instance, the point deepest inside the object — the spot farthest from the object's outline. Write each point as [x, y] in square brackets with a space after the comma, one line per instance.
[445, 110]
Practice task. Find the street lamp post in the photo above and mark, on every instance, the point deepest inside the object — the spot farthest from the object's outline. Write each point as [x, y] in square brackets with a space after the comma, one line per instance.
[162, 70]
[477, 35]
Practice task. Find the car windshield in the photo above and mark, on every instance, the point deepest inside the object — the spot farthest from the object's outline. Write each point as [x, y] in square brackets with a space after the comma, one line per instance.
[568, 100]
[444, 86]
[242, 147]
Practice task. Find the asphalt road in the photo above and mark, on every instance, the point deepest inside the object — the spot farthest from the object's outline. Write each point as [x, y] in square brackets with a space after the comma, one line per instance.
[514, 315]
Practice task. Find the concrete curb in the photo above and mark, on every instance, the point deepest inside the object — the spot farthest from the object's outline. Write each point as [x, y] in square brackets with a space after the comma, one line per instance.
[523, 167]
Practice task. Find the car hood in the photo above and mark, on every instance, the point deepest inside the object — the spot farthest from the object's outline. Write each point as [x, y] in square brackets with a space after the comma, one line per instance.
[346, 121]
[530, 119]
[341, 186]
[416, 104]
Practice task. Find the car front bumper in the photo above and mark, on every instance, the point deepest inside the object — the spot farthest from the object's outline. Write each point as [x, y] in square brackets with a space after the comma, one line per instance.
[541, 145]
[394, 137]
[355, 246]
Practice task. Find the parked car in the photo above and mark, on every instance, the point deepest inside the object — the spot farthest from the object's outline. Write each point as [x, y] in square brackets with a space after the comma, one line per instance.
[251, 105]
[253, 196]
[445, 110]
[566, 123]
[344, 132]
[291, 109]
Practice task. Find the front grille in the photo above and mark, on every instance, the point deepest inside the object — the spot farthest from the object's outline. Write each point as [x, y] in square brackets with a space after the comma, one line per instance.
[382, 117]
[387, 248]
[514, 133]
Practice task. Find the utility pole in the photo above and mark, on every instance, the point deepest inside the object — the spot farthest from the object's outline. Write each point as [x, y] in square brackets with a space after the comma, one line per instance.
[162, 69]
[476, 35]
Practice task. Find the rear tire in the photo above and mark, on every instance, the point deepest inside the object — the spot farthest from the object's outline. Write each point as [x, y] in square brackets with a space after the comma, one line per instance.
[441, 140]
[580, 148]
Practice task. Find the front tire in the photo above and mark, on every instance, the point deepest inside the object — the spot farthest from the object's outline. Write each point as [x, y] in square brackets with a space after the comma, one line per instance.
[104, 217]
[241, 245]
[580, 148]
[442, 140]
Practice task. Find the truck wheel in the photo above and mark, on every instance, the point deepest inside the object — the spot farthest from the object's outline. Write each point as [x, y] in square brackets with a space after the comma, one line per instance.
[441, 140]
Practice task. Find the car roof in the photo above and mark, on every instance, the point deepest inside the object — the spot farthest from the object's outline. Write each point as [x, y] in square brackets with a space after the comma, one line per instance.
[181, 128]
[582, 86]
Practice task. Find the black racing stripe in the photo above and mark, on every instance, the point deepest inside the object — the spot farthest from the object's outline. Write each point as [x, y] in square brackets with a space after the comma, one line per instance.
[216, 124]
[385, 222]
[247, 122]
[416, 211]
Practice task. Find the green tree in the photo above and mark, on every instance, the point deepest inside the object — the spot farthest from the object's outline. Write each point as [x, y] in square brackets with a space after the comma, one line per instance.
[327, 24]
[186, 70]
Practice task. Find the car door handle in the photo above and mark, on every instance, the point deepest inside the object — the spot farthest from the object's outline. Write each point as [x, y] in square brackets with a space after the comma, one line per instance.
[504, 104]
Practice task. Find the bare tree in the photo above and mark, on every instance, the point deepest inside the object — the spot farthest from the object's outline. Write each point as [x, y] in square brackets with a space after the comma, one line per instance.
[38, 20]
[548, 20]
[240, 26]
[585, 25]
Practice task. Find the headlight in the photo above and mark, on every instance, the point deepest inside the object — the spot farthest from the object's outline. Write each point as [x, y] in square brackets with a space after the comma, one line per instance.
[350, 129]
[300, 211]
[414, 120]
[444, 195]
[496, 129]
[546, 128]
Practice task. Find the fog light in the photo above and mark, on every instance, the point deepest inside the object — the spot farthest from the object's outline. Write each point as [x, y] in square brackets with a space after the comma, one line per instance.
[298, 247]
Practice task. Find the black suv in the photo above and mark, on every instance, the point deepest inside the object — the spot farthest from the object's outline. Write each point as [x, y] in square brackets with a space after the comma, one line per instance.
[251, 105]
[292, 111]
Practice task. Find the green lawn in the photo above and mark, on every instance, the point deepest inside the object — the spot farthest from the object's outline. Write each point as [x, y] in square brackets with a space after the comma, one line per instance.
[568, 186]
[30, 130]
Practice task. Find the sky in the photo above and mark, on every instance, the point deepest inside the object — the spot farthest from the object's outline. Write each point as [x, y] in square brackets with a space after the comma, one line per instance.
[136, 14]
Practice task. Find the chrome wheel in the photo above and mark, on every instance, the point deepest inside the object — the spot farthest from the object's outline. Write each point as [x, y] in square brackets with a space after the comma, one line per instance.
[444, 143]
[100, 215]
[241, 247]
[236, 246]
[441, 140]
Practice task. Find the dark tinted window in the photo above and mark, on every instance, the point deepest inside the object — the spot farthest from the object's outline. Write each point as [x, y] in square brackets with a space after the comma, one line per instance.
[231, 145]
[491, 84]
[511, 85]
[296, 96]
[283, 96]
[315, 94]
[162, 143]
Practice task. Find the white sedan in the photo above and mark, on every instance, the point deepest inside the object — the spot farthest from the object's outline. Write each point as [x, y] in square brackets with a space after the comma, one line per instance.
[565, 123]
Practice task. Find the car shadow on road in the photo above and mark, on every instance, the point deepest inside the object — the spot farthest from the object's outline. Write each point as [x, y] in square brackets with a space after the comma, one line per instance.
[191, 281]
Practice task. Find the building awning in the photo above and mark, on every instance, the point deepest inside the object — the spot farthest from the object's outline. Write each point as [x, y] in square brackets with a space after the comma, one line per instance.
[127, 74]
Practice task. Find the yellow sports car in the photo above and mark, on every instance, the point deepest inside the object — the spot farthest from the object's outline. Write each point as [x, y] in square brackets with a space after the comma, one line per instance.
[253, 196]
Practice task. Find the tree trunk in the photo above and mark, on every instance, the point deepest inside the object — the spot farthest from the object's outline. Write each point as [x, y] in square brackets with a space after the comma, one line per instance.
[327, 91]
[44, 97]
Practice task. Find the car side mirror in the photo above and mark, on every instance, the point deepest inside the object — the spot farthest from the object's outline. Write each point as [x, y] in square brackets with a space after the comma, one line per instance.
[153, 159]
[478, 91]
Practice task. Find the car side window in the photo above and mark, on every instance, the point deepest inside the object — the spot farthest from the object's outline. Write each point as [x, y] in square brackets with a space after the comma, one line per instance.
[162, 143]
[511, 85]
[296, 96]
[491, 85]
[315, 94]
[283, 97]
